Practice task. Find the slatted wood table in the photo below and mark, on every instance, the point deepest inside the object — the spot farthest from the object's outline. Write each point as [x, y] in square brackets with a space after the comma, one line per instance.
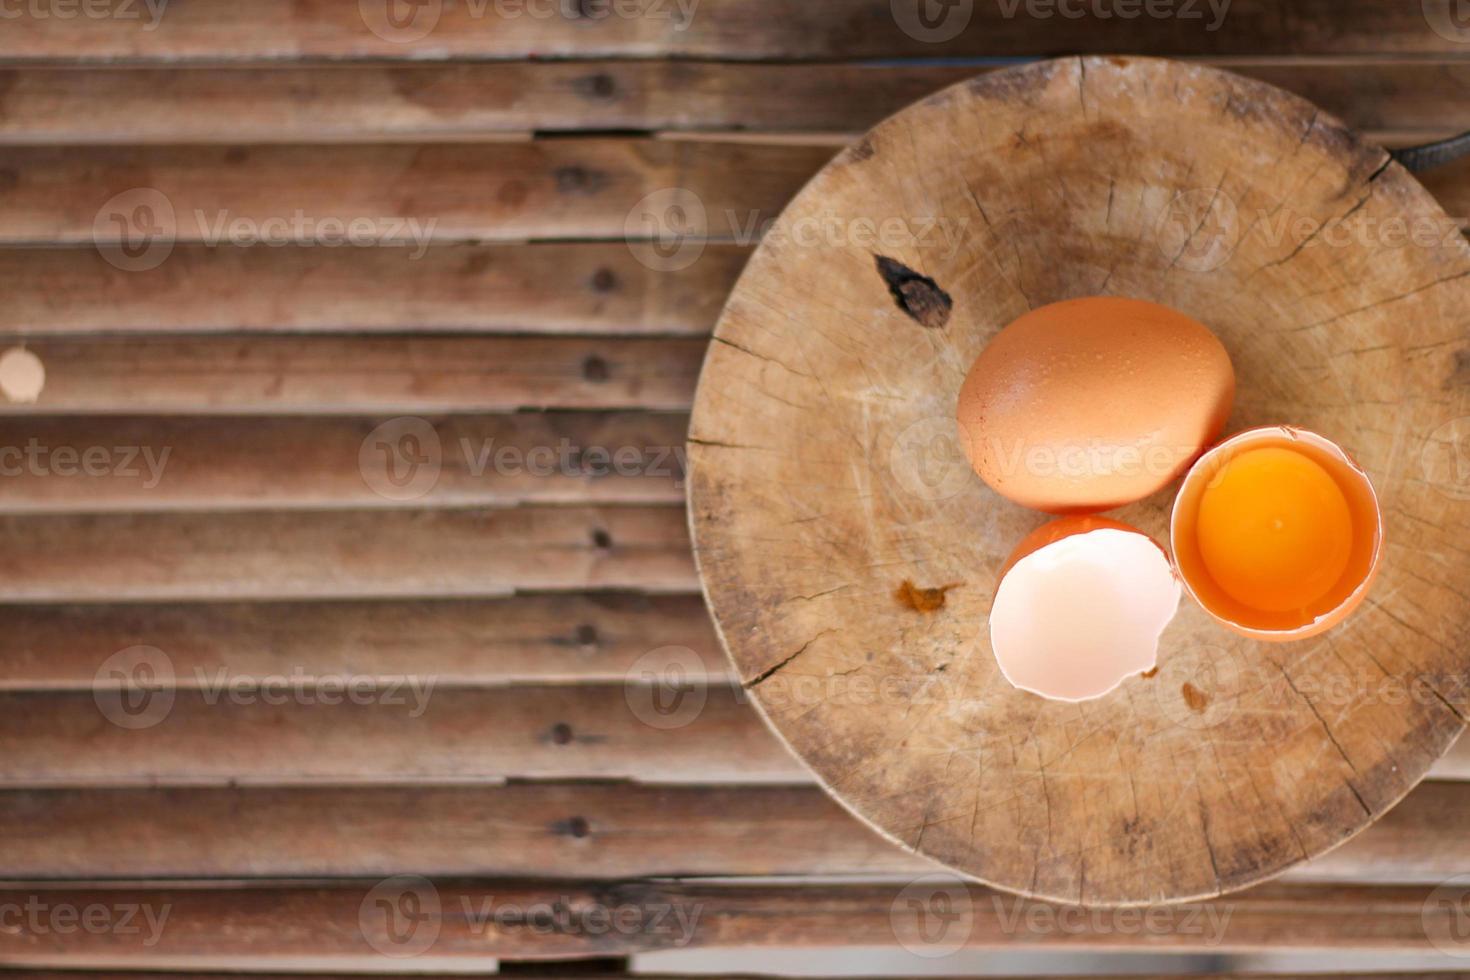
[331, 641]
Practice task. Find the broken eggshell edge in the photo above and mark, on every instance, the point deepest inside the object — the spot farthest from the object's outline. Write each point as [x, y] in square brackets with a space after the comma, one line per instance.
[1362, 499]
[1047, 536]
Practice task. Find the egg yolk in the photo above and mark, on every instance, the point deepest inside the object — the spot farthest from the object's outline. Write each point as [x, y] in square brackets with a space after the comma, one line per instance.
[1274, 530]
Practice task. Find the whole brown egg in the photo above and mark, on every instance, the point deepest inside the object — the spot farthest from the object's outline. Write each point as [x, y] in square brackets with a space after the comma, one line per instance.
[1088, 404]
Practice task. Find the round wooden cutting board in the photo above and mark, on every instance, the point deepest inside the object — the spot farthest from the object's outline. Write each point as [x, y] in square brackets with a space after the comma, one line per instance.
[849, 555]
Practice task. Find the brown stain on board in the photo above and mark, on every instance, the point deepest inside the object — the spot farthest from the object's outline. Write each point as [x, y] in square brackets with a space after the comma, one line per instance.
[1194, 697]
[922, 600]
[1461, 373]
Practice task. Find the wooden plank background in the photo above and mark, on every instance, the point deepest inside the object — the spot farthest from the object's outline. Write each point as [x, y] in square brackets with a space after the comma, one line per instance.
[272, 30]
[355, 103]
[464, 682]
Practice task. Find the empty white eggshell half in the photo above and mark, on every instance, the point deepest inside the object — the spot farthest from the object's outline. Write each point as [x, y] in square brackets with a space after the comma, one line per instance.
[1080, 607]
[22, 376]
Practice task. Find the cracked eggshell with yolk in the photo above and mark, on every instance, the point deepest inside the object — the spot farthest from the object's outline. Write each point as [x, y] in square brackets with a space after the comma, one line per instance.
[1081, 605]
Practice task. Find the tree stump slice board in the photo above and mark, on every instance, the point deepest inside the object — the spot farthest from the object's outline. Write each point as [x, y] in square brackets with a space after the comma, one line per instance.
[849, 555]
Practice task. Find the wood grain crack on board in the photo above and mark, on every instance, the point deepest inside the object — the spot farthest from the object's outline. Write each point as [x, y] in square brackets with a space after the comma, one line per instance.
[1401, 621]
[716, 444]
[1204, 818]
[1382, 302]
[1387, 159]
[1307, 240]
[815, 595]
[1446, 702]
[1449, 705]
[763, 675]
[1307, 130]
[1326, 730]
[759, 357]
[1209, 210]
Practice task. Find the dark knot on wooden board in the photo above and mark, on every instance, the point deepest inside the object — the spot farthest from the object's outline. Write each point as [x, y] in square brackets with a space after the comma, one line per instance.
[917, 295]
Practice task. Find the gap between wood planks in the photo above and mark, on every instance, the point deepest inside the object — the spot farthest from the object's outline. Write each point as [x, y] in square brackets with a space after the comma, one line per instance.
[407, 199]
[234, 723]
[321, 925]
[1396, 100]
